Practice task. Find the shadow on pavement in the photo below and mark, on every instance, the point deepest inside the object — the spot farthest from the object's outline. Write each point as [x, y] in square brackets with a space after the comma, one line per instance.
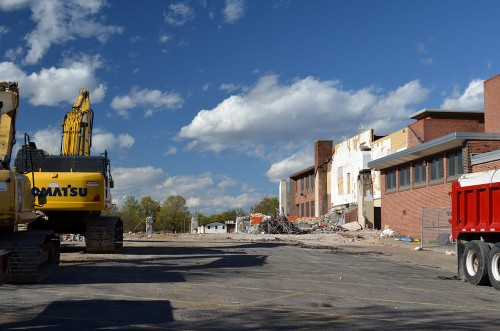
[97, 314]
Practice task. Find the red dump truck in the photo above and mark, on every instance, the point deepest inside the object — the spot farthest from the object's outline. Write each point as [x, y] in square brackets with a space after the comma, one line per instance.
[476, 227]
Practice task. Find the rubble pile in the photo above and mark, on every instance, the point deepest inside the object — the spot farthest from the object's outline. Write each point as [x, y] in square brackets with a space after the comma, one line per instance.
[279, 225]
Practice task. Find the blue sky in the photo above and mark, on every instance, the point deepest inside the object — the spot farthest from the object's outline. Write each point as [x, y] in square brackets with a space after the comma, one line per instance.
[216, 100]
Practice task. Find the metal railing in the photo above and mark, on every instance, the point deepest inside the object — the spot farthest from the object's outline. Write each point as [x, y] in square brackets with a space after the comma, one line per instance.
[436, 229]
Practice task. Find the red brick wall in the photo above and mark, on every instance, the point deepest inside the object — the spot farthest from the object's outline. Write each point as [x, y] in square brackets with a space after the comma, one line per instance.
[433, 128]
[486, 166]
[492, 104]
[307, 196]
[483, 146]
[401, 210]
[416, 131]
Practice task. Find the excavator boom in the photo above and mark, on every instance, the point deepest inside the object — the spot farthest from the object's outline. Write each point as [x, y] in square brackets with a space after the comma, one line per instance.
[77, 127]
[9, 101]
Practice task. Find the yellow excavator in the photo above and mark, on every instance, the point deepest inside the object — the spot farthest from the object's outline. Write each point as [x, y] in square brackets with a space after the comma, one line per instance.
[25, 256]
[77, 185]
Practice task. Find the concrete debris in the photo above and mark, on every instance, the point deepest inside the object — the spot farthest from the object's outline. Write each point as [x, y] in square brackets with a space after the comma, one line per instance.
[352, 226]
[279, 225]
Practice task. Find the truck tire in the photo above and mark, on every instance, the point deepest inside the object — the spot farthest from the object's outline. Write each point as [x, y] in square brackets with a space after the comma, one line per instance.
[475, 262]
[494, 266]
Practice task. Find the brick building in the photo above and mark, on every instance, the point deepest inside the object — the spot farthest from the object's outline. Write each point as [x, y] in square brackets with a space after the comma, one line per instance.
[443, 144]
[310, 187]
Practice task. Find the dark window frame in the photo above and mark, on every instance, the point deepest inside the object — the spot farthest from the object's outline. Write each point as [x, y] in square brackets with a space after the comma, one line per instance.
[420, 173]
[455, 165]
[390, 180]
[436, 169]
[404, 177]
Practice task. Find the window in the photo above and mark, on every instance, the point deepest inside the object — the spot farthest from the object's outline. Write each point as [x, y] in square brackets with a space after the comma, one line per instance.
[313, 211]
[301, 185]
[302, 209]
[307, 184]
[390, 180]
[216, 227]
[455, 167]
[404, 176]
[209, 227]
[419, 173]
[312, 182]
[437, 168]
[307, 209]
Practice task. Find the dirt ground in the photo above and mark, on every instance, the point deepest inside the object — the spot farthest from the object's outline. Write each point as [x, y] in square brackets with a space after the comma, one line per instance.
[353, 241]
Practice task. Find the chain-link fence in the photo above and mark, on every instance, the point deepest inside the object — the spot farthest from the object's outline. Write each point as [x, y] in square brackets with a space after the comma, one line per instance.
[436, 228]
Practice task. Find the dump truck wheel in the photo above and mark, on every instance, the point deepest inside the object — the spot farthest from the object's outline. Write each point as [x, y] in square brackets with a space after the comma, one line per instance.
[475, 262]
[494, 266]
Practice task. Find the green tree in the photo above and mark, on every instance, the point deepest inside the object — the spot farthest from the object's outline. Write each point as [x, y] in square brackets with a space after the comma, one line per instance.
[174, 215]
[267, 206]
[149, 207]
[130, 213]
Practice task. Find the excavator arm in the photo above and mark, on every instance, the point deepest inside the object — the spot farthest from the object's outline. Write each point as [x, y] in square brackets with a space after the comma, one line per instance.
[9, 102]
[77, 127]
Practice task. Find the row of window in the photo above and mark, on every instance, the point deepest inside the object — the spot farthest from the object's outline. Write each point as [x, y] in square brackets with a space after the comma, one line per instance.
[307, 209]
[433, 166]
[223, 227]
[306, 184]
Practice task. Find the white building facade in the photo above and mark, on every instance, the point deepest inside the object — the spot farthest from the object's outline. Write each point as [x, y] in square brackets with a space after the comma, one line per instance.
[214, 227]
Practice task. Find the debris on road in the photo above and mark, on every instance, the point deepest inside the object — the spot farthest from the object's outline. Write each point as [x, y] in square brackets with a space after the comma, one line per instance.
[279, 225]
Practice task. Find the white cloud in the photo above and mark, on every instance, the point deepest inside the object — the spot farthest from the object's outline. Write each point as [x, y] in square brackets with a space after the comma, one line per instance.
[3, 29]
[171, 151]
[164, 38]
[13, 53]
[428, 61]
[135, 39]
[49, 139]
[298, 161]
[51, 86]
[229, 87]
[60, 21]
[135, 182]
[9, 5]
[151, 101]
[206, 192]
[471, 98]
[179, 14]
[234, 10]
[271, 114]
[102, 141]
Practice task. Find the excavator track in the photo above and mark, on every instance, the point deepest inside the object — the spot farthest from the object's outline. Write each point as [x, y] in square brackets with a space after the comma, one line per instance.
[33, 255]
[104, 235]
[4, 259]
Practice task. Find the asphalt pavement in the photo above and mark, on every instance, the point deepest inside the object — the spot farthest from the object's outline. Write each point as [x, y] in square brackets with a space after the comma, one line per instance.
[219, 283]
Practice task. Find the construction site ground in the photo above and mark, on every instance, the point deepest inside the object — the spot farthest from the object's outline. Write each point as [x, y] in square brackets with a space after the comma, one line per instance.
[348, 280]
